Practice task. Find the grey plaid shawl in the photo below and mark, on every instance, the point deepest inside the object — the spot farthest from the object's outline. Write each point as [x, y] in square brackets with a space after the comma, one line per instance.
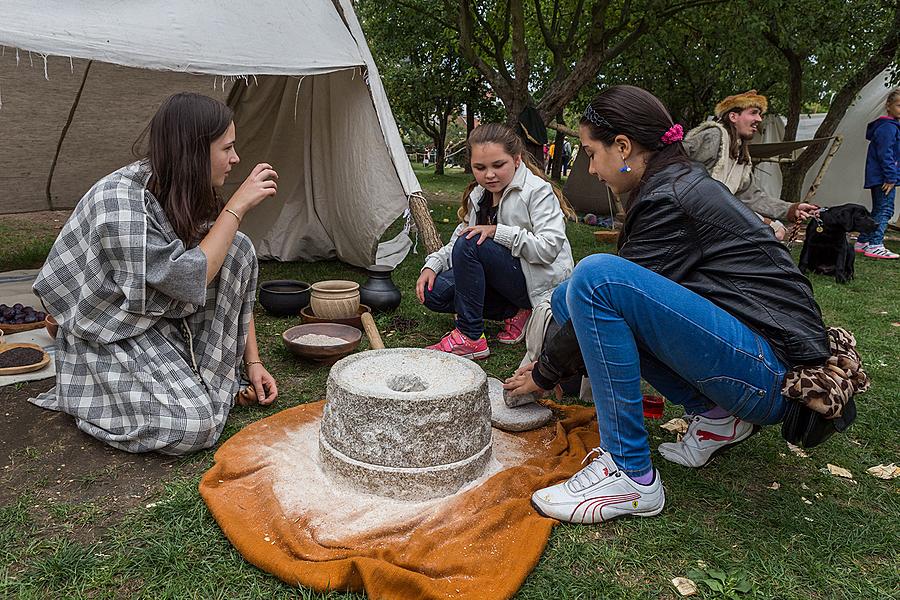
[147, 355]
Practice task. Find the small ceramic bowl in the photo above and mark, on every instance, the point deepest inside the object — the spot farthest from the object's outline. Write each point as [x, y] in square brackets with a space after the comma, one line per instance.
[308, 316]
[334, 299]
[349, 336]
[284, 297]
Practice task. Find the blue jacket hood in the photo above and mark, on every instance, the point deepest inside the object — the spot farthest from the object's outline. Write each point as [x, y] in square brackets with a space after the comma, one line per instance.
[879, 122]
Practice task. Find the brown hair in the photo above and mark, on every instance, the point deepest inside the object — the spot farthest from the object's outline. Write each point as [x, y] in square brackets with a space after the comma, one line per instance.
[738, 149]
[636, 113]
[178, 147]
[495, 133]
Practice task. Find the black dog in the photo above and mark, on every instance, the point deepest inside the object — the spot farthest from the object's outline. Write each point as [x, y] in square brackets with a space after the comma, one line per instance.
[826, 249]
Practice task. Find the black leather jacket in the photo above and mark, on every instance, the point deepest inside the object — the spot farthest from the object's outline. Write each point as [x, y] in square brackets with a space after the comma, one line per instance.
[688, 227]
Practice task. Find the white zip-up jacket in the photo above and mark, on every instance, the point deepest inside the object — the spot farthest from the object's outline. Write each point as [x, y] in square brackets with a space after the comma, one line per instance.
[531, 224]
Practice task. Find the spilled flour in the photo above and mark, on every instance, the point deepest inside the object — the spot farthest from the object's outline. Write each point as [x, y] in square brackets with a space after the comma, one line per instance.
[336, 511]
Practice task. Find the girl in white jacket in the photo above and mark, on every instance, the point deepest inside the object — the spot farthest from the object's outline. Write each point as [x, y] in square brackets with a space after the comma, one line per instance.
[507, 254]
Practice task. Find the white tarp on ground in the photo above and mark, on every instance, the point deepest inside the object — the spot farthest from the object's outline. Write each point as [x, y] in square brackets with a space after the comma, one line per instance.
[326, 127]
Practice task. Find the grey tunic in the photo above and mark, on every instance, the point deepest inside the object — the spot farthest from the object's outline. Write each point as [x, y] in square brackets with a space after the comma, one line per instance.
[147, 355]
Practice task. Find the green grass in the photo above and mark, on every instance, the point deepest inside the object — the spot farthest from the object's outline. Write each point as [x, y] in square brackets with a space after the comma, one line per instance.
[722, 519]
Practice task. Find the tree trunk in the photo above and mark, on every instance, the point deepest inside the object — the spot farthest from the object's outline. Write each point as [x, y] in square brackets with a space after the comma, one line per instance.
[470, 125]
[793, 179]
[556, 163]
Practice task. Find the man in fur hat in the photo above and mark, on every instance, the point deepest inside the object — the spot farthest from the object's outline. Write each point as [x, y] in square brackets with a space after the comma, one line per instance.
[722, 147]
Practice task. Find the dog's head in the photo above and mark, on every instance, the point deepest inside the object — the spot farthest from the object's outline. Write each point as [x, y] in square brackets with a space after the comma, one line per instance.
[849, 217]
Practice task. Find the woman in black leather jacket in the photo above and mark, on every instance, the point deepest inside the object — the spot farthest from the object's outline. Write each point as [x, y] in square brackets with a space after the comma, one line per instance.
[702, 302]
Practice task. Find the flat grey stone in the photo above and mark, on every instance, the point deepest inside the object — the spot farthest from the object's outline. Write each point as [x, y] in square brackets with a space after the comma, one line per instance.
[520, 418]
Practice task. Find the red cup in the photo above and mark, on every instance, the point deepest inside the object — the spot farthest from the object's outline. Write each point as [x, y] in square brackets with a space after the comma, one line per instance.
[654, 406]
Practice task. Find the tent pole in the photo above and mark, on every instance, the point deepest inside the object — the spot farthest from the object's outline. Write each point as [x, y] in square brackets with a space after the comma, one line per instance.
[419, 209]
[838, 139]
[62, 135]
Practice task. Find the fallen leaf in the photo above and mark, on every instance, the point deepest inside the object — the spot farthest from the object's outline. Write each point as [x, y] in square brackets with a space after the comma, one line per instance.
[797, 450]
[803, 486]
[805, 501]
[819, 496]
[685, 586]
[775, 485]
[839, 471]
[808, 519]
[895, 324]
[675, 426]
[884, 471]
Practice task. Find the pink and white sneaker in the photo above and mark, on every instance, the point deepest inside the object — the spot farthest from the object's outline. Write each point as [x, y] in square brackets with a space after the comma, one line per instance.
[459, 344]
[514, 327]
[860, 247]
[879, 251]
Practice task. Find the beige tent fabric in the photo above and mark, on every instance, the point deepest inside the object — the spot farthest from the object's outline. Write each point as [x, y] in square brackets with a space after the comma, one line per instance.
[337, 190]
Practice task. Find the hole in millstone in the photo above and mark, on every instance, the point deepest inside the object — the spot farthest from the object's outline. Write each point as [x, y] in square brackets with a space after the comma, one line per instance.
[407, 383]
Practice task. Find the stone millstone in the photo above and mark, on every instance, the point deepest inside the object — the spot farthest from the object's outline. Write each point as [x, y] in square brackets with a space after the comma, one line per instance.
[521, 418]
[406, 423]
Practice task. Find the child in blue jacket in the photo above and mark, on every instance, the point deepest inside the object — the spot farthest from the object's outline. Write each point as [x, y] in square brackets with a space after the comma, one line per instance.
[882, 174]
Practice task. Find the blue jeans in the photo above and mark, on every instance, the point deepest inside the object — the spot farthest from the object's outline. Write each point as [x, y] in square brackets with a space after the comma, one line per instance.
[633, 323]
[486, 281]
[882, 211]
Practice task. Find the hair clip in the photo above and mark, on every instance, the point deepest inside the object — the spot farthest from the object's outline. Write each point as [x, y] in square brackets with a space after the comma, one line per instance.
[596, 118]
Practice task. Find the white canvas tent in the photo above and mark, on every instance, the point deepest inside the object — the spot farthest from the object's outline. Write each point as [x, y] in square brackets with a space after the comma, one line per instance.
[306, 93]
[843, 181]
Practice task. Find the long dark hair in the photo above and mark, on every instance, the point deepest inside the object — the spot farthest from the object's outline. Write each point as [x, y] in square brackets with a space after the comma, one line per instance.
[495, 133]
[178, 145]
[639, 115]
[739, 149]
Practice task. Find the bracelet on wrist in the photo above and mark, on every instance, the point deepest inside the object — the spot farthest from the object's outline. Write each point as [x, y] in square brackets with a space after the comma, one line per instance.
[236, 216]
[252, 362]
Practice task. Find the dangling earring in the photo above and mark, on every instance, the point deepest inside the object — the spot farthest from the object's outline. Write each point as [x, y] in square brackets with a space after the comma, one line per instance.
[625, 168]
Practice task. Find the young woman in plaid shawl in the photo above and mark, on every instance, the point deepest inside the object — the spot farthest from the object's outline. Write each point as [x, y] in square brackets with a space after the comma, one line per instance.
[153, 288]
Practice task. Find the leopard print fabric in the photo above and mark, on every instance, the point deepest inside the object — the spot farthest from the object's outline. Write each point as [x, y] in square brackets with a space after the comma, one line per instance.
[827, 388]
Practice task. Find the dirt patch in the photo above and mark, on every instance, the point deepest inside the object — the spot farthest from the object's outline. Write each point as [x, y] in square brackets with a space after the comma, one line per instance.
[45, 457]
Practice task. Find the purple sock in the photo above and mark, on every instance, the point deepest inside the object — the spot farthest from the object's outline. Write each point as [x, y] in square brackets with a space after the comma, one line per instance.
[716, 412]
[645, 479]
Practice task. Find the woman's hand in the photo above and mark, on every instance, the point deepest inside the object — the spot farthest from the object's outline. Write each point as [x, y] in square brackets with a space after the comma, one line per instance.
[263, 383]
[426, 279]
[886, 187]
[522, 382]
[483, 231]
[261, 183]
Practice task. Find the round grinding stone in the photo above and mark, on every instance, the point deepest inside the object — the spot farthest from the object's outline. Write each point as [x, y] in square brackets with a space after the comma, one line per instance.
[406, 423]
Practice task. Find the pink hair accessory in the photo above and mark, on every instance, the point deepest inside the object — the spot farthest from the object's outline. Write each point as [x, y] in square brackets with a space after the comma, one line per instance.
[674, 134]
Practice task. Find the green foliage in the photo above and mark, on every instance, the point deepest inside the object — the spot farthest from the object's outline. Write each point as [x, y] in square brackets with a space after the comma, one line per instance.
[732, 585]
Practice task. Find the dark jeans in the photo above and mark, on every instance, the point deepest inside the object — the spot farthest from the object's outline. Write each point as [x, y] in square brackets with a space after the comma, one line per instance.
[486, 281]
[882, 211]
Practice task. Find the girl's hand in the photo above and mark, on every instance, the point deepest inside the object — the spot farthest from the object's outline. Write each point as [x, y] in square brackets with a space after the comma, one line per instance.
[522, 382]
[263, 383]
[426, 279]
[886, 187]
[484, 231]
[259, 185]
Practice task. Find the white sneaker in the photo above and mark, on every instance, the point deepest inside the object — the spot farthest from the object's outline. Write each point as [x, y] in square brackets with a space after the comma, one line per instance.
[705, 438]
[873, 251]
[600, 492]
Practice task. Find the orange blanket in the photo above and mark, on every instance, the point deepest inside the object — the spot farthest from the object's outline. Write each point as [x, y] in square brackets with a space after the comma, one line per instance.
[484, 546]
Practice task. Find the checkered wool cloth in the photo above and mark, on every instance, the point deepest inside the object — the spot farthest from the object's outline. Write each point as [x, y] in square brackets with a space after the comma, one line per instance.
[147, 355]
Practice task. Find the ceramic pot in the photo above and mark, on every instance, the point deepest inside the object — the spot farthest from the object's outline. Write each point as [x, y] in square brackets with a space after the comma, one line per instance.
[335, 299]
[379, 291]
[284, 297]
[51, 325]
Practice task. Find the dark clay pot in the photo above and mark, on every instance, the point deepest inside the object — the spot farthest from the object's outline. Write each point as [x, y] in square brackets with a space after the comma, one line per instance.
[284, 297]
[379, 292]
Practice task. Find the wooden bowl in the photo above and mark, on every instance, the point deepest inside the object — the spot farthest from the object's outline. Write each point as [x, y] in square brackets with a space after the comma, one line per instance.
[307, 316]
[350, 337]
[24, 368]
[606, 236]
[334, 299]
[10, 329]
